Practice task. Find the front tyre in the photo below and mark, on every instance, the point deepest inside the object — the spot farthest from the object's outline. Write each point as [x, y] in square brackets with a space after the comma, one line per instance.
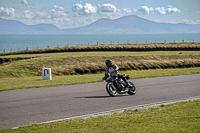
[111, 90]
[132, 90]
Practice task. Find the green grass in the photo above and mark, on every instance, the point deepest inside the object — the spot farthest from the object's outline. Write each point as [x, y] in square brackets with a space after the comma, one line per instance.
[108, 53]
[67, 63]
[12, 83]
[173, 118]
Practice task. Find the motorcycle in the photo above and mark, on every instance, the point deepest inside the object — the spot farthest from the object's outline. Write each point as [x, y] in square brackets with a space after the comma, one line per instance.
[115, 86]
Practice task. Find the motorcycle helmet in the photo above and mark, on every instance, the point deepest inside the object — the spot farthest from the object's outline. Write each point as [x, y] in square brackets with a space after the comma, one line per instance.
[109, 63]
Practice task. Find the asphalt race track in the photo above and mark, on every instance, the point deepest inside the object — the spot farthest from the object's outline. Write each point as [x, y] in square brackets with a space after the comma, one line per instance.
[29, 106]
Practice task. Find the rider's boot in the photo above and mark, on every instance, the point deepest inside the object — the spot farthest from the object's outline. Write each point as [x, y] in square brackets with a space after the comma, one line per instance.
[127, 83]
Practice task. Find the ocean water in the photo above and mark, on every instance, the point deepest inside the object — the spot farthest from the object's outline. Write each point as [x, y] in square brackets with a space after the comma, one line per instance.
[23, 42]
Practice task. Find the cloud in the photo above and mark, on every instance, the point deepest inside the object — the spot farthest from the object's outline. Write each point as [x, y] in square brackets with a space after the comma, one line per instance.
[84, 9]
[144, 10]
[27, 14]
[85, 13]
[107, 8]
[93, 9]
[7, 11]
[59, 8]
[54, 14]
[160, 10]
[171, 10]
[126, 10]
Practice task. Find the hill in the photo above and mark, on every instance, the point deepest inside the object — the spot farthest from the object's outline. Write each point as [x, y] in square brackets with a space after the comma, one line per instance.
[133, 25]
[124, 25]
[16, 27]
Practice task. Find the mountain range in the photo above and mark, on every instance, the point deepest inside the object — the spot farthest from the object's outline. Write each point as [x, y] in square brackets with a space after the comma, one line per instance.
[124, 25]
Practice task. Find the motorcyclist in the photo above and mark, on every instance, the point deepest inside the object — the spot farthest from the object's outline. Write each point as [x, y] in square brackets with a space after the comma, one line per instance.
[113, 70]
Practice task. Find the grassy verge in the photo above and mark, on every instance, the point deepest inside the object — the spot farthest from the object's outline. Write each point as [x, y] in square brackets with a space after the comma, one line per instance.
[173, 118]
[12, 83]
[84, 62]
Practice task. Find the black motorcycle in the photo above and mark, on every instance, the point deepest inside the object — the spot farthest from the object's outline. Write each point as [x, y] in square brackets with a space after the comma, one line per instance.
[115, 86]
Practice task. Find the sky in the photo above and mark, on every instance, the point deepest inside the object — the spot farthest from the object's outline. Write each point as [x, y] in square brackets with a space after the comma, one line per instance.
[66, 14]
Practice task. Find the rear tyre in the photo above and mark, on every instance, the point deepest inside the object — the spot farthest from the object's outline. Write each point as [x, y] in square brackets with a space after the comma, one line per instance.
[132, 90]
[111, 90]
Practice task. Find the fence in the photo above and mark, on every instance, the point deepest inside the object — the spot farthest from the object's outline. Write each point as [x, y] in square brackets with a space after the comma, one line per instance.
[97, 43]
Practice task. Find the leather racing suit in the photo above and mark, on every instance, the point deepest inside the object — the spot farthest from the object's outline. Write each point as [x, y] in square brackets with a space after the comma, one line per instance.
[113, 70]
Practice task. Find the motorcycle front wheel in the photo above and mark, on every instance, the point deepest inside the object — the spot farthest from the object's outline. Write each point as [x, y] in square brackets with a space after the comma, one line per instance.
[111, 90]
[132, 90]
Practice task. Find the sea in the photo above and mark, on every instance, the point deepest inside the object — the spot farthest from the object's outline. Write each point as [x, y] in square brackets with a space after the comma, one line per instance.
[24, 42]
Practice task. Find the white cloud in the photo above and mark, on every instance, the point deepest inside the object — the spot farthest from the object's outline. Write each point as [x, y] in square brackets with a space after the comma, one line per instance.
[160, 10]
[57, 12]
[59, 8]
[84, 9]
[107, 8]
[171, 10]
[88, 8]
[27, 14]
[144, 10]
[93, 9]
[126, 10]
[41, 15]
[54, 15]
[88, 13]
[7, 11]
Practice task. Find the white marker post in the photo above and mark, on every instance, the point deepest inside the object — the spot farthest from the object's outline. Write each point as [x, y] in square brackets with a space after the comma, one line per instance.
[46, 73]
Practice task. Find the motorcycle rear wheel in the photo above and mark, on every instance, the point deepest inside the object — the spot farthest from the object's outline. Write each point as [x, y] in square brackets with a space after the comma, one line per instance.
[132, 90]
[111, 90]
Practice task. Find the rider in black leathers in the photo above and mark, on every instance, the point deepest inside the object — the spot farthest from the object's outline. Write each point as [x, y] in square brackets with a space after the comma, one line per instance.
[113, 70]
